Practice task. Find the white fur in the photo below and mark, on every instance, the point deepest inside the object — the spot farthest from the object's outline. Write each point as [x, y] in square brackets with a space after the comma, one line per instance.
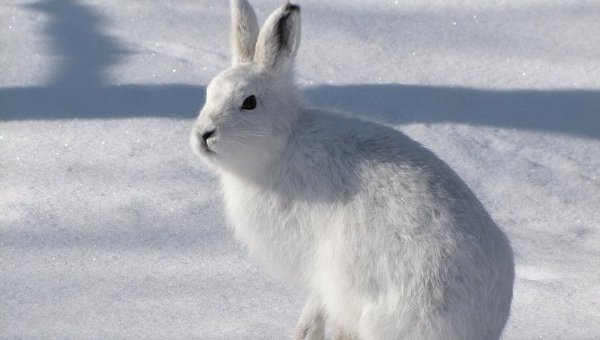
[387, 240]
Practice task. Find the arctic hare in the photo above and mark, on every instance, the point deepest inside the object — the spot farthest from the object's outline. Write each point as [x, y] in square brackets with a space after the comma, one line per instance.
[387, 240]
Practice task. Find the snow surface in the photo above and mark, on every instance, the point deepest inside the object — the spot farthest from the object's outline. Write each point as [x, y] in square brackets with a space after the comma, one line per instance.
[110, 227]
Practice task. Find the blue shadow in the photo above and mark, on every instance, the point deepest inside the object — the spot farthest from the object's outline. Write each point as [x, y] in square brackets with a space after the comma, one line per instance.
[79, 89]
[556, 111]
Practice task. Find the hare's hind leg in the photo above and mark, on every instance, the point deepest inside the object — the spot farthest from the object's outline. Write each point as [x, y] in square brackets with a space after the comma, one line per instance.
[311, 325]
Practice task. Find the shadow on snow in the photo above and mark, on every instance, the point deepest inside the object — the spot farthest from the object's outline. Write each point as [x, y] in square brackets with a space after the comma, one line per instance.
[78, 88]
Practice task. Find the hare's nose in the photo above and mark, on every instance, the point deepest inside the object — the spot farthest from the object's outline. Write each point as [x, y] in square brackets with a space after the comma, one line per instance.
[207, 134]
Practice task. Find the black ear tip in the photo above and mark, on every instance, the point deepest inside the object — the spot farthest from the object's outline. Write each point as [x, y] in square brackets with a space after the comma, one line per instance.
[291, 7]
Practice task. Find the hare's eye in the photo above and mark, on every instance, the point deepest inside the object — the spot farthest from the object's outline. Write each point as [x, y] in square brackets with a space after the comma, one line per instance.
[249, 103]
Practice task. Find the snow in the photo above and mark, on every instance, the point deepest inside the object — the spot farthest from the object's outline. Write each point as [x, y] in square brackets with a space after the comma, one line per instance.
[110, 227]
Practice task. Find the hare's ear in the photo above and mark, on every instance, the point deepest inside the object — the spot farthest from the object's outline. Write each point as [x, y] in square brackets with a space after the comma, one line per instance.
[279, 39]
[244, 31]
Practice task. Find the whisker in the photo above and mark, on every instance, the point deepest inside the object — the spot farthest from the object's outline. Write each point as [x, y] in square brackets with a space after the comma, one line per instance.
[236, 123]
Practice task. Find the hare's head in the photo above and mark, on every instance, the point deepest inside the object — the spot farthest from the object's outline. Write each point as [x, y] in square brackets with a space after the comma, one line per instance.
[251, 107]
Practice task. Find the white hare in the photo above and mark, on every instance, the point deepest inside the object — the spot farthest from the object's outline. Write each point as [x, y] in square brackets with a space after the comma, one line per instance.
[387, 240]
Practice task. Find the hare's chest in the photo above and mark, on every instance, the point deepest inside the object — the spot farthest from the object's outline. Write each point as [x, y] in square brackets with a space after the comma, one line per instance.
[251, 210]
[279, 233]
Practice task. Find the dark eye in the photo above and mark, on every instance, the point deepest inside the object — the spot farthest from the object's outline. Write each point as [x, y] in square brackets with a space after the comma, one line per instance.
[249, 103]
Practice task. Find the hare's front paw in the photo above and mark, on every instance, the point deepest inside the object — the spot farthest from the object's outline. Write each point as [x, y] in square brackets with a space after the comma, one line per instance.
[311, 325]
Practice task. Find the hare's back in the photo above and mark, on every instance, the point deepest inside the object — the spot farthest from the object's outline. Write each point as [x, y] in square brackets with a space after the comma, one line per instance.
[396, 194]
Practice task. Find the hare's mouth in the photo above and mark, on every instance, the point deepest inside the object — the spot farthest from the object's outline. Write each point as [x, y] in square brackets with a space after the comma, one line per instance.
[200, 145]
[205, 147]
[205, 139]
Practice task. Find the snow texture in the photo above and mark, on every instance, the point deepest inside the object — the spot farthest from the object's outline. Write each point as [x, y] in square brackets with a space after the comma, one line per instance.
[111, 228]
